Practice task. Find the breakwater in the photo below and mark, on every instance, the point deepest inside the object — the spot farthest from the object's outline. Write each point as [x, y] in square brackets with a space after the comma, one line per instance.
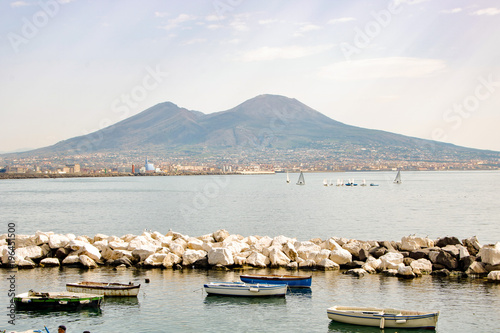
[410, 257]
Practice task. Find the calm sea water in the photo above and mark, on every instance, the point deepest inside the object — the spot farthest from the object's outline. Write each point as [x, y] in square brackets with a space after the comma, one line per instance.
[436, 204]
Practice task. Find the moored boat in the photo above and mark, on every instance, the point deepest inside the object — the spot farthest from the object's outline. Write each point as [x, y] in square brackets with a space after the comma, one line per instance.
[106, 289]
[56, 300]
[294, 281]
[383, 318]
[245, 289]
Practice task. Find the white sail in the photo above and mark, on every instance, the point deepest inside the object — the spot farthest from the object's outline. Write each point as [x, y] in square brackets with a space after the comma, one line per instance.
[301, 180]
[397, 180]
[287, 178]
[325, 182]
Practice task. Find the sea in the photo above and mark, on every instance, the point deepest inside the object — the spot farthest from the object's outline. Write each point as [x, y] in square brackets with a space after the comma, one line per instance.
[427, 204]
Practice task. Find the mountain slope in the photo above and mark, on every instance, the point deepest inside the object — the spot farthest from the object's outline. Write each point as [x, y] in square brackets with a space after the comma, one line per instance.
[266, 121]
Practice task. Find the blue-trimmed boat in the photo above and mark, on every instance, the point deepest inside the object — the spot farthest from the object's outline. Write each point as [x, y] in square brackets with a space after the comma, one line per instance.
[245, 289]
[293, 281]
[383, 318]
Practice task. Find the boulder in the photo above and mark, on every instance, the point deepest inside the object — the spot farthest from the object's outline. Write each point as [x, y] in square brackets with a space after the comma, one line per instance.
[490, 254]
[100, 237]
[340, 256]
[353, 247]
[406, 272]
[472, 245]
[452, 249]
[278, 258]
[258, 260]
[220, 235]
[195, 244]
[189, 256]
[391, 260]
[447, 260]
[42, 237]
[289, 250]
[377, 252]
[62, 253]
[476, 268]
[71, 260]
[372, 264]
[220, 256]
[123, 261]
[91, 251]
[49, 262]
[441, 272]
[240, 260]
[323, 254]
[31, 252]
[57, 241]
[25, 263]
[293, 265]
[155, 260]
[171, 259]
[177, 248]
[309, 263]
[118, 245]
[326, 265]
[462, 252]
[420, 254]
[494, 276]
[86, 261]
[363, 254]
[424, 266]
[281, 240]
[308, 250]
[144, 251]
[442, 242]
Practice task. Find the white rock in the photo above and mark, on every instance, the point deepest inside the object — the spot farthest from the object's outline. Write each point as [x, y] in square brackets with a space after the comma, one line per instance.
[240, 260]
[50, 262]
[494, 276]
[177, 248]
[32, 252]
[340, 256]
[100, 237]
[144, 251]
[189, 257]
[289, 251]
[86, 261]
[220, 256]
[405, 271]
[258, 260]
[25, 240]
[412, 243]
[220, 235]
[57, 241]
[171, 259]
[42, 237]
[278, 258]
[476, 268]
[281, 240]
[155, 260]
[331, 244]
[372, 265]
[91, 251]
[327, 264]
[139, 242]
[423, 265]
[71, 259]
[195, 244]
[101, 244]
[391, 260]
[307, 263]
[353, 247]
[490, 254]
[117, 254]
[25, 263]
[308, 250]
[323, 254]
[236, 246]
[118, 245]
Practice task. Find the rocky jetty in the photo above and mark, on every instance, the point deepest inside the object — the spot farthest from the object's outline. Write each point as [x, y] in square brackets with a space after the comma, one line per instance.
[409, 258]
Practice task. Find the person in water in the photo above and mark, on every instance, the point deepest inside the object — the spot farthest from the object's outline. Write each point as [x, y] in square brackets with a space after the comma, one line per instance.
[61, 329]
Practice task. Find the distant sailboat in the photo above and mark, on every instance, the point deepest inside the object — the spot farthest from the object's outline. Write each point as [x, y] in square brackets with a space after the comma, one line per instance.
[325, 182]
[301, 180]
[287, 178]
[363, 183]
[397, 180]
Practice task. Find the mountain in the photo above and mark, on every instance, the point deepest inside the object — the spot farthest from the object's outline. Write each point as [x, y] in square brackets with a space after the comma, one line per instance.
[263, 122]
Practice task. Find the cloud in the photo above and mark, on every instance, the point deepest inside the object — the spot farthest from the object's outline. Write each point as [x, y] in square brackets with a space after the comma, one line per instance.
[487, 11]
[341, 20]
[212, 18]
[269, 21]
[383, 68]
[306, 27]
[195, 41]
[161, 14]
[19, 4]
[174, 23]
[290, 52]
[408, 2]
[452, 11]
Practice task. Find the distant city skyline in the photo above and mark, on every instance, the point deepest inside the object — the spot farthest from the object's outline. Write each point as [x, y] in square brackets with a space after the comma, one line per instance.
[421, 68]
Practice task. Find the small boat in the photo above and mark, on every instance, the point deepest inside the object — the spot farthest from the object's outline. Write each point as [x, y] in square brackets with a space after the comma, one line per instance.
[245, 289]
[294, 281]
[325, 182]
[383, 318]
[363, 183]
[106, 289]
[287, 178]
[397, 180]
[373, 184]
[56, 300]
[301, 180]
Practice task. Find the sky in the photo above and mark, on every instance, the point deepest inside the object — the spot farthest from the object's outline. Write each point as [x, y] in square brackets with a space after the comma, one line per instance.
[422, 68]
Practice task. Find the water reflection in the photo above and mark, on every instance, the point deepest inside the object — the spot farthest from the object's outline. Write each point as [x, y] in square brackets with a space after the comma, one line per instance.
[216, 300]
[336, 327]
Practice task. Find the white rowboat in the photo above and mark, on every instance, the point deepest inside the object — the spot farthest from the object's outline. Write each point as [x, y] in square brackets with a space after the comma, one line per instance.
[106, 289]
[383, 318]
[245, 289]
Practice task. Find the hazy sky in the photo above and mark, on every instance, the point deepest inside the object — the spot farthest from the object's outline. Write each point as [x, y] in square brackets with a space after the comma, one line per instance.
[423, 68]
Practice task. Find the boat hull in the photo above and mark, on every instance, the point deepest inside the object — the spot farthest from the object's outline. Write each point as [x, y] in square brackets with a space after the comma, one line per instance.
[244, 289]
[57, 301]
[383, 318]
[106, 289]
[293, 281]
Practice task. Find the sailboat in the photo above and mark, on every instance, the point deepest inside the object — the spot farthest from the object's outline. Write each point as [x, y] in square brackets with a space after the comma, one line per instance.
[363, 183]
[397, 180]
[325, 182]
[301, 180]
[287, 178]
